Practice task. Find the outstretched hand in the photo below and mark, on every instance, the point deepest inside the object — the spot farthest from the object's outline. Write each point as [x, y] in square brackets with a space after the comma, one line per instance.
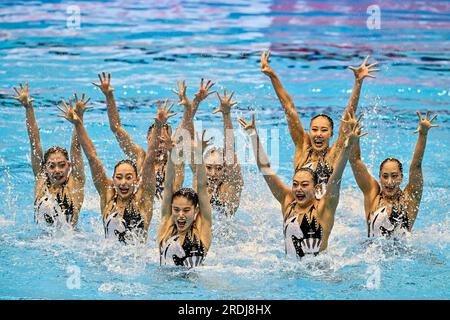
[105, 84]
[80, 105]
[364, 71]
[200, 144]
[166, 141]
[23, 96]
[353, 131]
[203, 92]
[163, 112]
[225, 102]
[181, 93]
[265, 67]
[249, 128]
[425, 124]
[69, 113]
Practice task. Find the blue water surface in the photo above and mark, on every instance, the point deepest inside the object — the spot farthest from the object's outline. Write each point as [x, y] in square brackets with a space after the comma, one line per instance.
[150, 45]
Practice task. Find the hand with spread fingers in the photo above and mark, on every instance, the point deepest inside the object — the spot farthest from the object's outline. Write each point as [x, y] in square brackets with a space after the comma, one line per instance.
[249, 128]
[225, 102]
[349, 121]
[69, 113]
[207, 143]
[200, 143]
[364, 71]
[80, 105]
[425, 124]
[265, 67]
[203, 92]
[163, 112]
[166, 141]
[23, 96]
[354, 130]
[181, 93]
[105, 84]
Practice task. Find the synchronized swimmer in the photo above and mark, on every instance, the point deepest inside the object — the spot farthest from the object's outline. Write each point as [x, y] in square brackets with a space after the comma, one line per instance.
[308, 206]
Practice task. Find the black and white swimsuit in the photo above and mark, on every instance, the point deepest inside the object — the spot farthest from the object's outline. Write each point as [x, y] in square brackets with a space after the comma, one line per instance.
[323, 173]
[190, 254]
[302, 237]
[128, 228]
[380, 223]
[160, 177]
[54, 210]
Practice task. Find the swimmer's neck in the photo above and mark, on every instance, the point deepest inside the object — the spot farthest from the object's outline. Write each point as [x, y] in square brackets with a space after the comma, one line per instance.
[319, 153]
[53, 187]
[394, 197]
[305, 207]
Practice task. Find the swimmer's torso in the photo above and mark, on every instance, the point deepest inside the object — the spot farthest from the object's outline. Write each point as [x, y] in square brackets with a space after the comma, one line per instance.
[304, 231]
[57, 206]
[190, 253]
[388, 219]
[127, 226]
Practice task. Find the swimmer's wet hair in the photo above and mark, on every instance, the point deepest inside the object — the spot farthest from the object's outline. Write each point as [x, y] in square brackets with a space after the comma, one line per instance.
[311, 172]
[127, 161]
[187, 193]
[400, 166]
[55, 149]
[325, 116]
[165, 125]
[214, 149]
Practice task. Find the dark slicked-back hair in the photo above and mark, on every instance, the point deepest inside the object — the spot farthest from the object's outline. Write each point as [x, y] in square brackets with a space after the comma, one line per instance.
[127, 161]
[55, 149]
[400, 166]
[187, 193]
[325, 116]
[165, 125]
[311, 172]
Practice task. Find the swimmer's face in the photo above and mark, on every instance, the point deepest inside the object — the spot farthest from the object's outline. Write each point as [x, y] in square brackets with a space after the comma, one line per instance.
[184, 213]
[303, 188]
[125, 179]
[390, 178]
[57, 168]
[320, 133]
[214, 168]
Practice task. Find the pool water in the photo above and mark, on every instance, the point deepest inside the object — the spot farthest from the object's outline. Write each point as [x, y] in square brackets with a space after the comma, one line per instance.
[148, 48]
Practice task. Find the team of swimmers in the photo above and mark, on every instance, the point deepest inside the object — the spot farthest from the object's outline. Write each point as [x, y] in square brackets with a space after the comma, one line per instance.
[184, 236]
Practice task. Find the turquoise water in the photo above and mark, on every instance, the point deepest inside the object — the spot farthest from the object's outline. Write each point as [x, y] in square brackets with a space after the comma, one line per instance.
[147, 48]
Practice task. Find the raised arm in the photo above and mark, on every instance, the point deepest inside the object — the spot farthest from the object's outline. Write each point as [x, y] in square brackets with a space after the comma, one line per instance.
[368, 185]
[233, 169]
[187, 122]
[148, 183]
[128, 146]
[76, 155]
[32, 128]
[330, 200]
[276, 186]
[169, 180]
[298, 133]
[190, 108]
[361, 72]
[202, 191]
[101, 180]
[414, 187]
